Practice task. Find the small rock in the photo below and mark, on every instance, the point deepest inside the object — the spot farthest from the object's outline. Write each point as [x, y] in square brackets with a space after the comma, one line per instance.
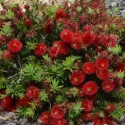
[24, 121]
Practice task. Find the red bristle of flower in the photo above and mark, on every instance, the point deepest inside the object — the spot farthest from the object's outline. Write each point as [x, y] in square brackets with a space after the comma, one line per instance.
[87, 105]
[53, 52]
[7, 101]
[90, 88]
[67, 36]
[45, 117]
[108, 86]
[87, 116]
[49, 26]
[27, 7]
[57, 112]
[77, 77]
[119, 82]
[109, 108]
[15, 46]
[88, 38]
[120, 67]
[32, 92]
[59, 122]
[60, 14]
[80, 91]
[40, 49]
[103, 75]
[22, 102]
[7, 55]
[98, 121]
[89, 68]
[28, 22]
[102, 64]
[77, 43]
[87, 28]
[11, 108]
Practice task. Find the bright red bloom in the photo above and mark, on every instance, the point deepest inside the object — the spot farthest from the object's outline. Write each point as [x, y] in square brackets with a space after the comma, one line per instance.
[27, 7]
[89, 68]
[77, 77]
[59, 122]
[88, 38]
[60, 14]
[98, 121]
[7, 55]
[45, 117]
[28, 22]
[67, 36]
[53, 52]
[49, 26]
[22, 102]
[7, 101]
[32, 92]
[120, 67]
[40, 49]
[87, 105]
[62, 48]
[103, 75]
[77, 43]
[80, 91]
[108, 86]
[57, 112]
[14, 46]
[90, 88]
[109, 108]
[87, 27]
[102, 64]
[87, 116]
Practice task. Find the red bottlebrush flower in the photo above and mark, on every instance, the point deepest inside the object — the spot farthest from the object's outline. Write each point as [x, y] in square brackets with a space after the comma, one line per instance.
[120, 67]
[57, 112]
[27, 7]
[11, 108]
[88, 38]
[59, 122]
[89, 68]
[45, 117]
[7, 101]
[60, 14]
[105, 40]
[77, 77]
[77, 43]
[32, 92]
[87, 116]
[87, 27]
[14, 46]
[87, 105]
[53, 52]
[119, 82]
[98, 121]
[40, 49]
[103, 75]
[49, 26]
[67, 36]
[7, 55]
[22, 102]
[97, 41]
[28, 22]
[80, 91]
[62, 48]
[108, 86]
[90, 88]
[109, 120]
[109, 108]
[102, 64]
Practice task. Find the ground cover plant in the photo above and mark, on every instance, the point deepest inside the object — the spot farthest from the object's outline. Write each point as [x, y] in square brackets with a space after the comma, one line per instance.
[63, 64]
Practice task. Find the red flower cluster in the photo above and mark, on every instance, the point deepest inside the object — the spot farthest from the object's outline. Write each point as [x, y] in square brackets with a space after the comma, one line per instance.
[40, 49]
[87, 105]
[77, 77]
[32, 92]
[14, 46]
[108, 86]
[7, 55]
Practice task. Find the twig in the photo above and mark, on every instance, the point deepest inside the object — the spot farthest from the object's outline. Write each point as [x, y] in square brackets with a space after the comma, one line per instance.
[8, 117]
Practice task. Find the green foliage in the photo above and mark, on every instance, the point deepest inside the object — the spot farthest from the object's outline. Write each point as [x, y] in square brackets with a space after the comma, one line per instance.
[61, 99]
[10, 14]
[75, 110]
[120, 74]
[55, 87]
[68, 64]
[118, 112]
[3, 82]
[115, 50]
[43, 95]
[6, 30]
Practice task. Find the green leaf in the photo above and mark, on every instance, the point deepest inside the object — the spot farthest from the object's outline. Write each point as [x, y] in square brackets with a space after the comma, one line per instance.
[10, 14]
[90, 10]
[6, 30]
[29, 112]
[43, 96]
[120, 74]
